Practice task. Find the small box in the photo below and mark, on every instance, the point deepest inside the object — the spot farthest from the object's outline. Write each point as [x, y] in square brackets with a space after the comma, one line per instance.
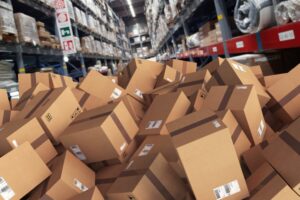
[168, 75]
[183, 67]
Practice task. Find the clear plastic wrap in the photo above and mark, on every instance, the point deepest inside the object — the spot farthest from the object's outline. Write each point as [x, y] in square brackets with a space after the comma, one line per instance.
[294, 10]
[27, 29]
[281, 13]
[7, 22]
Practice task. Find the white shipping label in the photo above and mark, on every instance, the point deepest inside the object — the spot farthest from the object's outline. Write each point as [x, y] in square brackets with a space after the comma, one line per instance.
[216, 124]
[123, 146]
[139, 93]
[261, 128]
[80, 185]
[243, 87]
[113, 80]
[77, 152]
[238, 67]
[5, 191]
[287, 35]
[227, 190]
[116, 94]
[168, 79]
[240, 44]
[154, 124]
[147, 148]
[215, 49]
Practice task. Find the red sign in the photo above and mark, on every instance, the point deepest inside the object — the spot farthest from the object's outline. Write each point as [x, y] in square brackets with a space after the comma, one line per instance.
[62, 17]
[68, 45]
[60, 4]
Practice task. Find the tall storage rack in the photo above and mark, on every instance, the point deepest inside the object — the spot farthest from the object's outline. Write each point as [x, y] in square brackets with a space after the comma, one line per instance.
[198, 12]
[78, 63]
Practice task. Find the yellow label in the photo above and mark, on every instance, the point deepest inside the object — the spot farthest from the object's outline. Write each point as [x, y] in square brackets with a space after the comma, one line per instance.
[21, 70]
[220, 17]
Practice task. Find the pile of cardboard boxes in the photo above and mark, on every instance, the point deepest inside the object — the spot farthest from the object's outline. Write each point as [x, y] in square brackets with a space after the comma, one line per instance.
[156, 131]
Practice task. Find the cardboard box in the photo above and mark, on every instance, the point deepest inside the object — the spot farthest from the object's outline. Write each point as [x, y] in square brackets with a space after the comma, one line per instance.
[16, 133]
[86, 100]
[114, 79]
[192, 82]
[47, 107]
[197, 100]
[275, 123]
[234, 73]
[106, 176]
[183, 67]
[7, 116]
[91, 194]
[69, 178]
[149, 177]
[135, 107]
[168, 75]
[28, 81]
[265, 183]
[165, 108]
[110, 127]
[244, 104]
[238, 136]
[201, 138]
[29, 95]
[285, 93]
[213, 65]
[272, 79]
[21, 170]
[4, 104]
[283, 154]
[253, 158]
[100, 86]
[68, 82]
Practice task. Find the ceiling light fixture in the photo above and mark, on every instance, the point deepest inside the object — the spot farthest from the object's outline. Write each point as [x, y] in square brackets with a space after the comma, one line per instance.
[129, 2]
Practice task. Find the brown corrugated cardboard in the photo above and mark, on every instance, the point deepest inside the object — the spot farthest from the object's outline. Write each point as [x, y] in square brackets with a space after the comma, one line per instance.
[272, 120]
[91, 194]
[135, 107]
[257, 71]
[213, 65]
[149, 177]
[197, 100]
[13, 103]
[272, 79]
[285, 92]
[165, 108]
[114, 79]
[168, 75]
[55, 109]
[86, 100]
[57, 81]
[265, 183]
[69, 82]
[234, 73]
[21, 170]
[16, 133]
[183, 67]
[206, 151]
[4, 103]
[253, 158]
[110, 127]
[283, 153]
[193, 82]
[101, 86]
[27, 81]
[106, 176]
[29, 95]
[7, 116]
[238, 136]
[244, 104]
[69, 178]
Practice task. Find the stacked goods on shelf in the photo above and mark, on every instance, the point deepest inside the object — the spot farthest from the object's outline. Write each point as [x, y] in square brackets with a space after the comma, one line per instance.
[287, 11]
[46, 39]
[8, 30]
[154, 132]
[8, 79]
[27, 29]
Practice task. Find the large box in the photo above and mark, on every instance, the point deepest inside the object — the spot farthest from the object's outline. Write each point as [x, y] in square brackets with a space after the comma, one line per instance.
[16, 133]
[272, 79]
[135, 107]
[4, 103]
[283, 154]
[168, 75]
[213, 65]
[165, 108]
[183, 67]
[100, 86]
[238, 136]
[21, 170]
[91, 194]
[206, 151]
[192, 82]
[286, 95]
[234, 73]
[197, 100]
[55, 110]
[265, 183]
[244, 104]
[69, 178]
[148, 178]
[86, 100]
[28, 81]
[110, 127]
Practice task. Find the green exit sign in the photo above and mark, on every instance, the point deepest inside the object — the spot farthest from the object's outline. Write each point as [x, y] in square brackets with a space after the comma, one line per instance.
[65, 31]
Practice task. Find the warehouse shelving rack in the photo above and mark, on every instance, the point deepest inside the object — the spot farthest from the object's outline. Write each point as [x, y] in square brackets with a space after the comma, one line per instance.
[275, 38]
[46, 13]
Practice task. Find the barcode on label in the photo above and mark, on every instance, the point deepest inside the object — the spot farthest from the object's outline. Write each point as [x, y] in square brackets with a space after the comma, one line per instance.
[154, 124]
[261, 128]
[5, 191]
[287, 35]
[80, 185]
[116, 94]
[227, 190]
[77, 152]
[240, 44]
[139, 93]
[147, 148]
[216, 124]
